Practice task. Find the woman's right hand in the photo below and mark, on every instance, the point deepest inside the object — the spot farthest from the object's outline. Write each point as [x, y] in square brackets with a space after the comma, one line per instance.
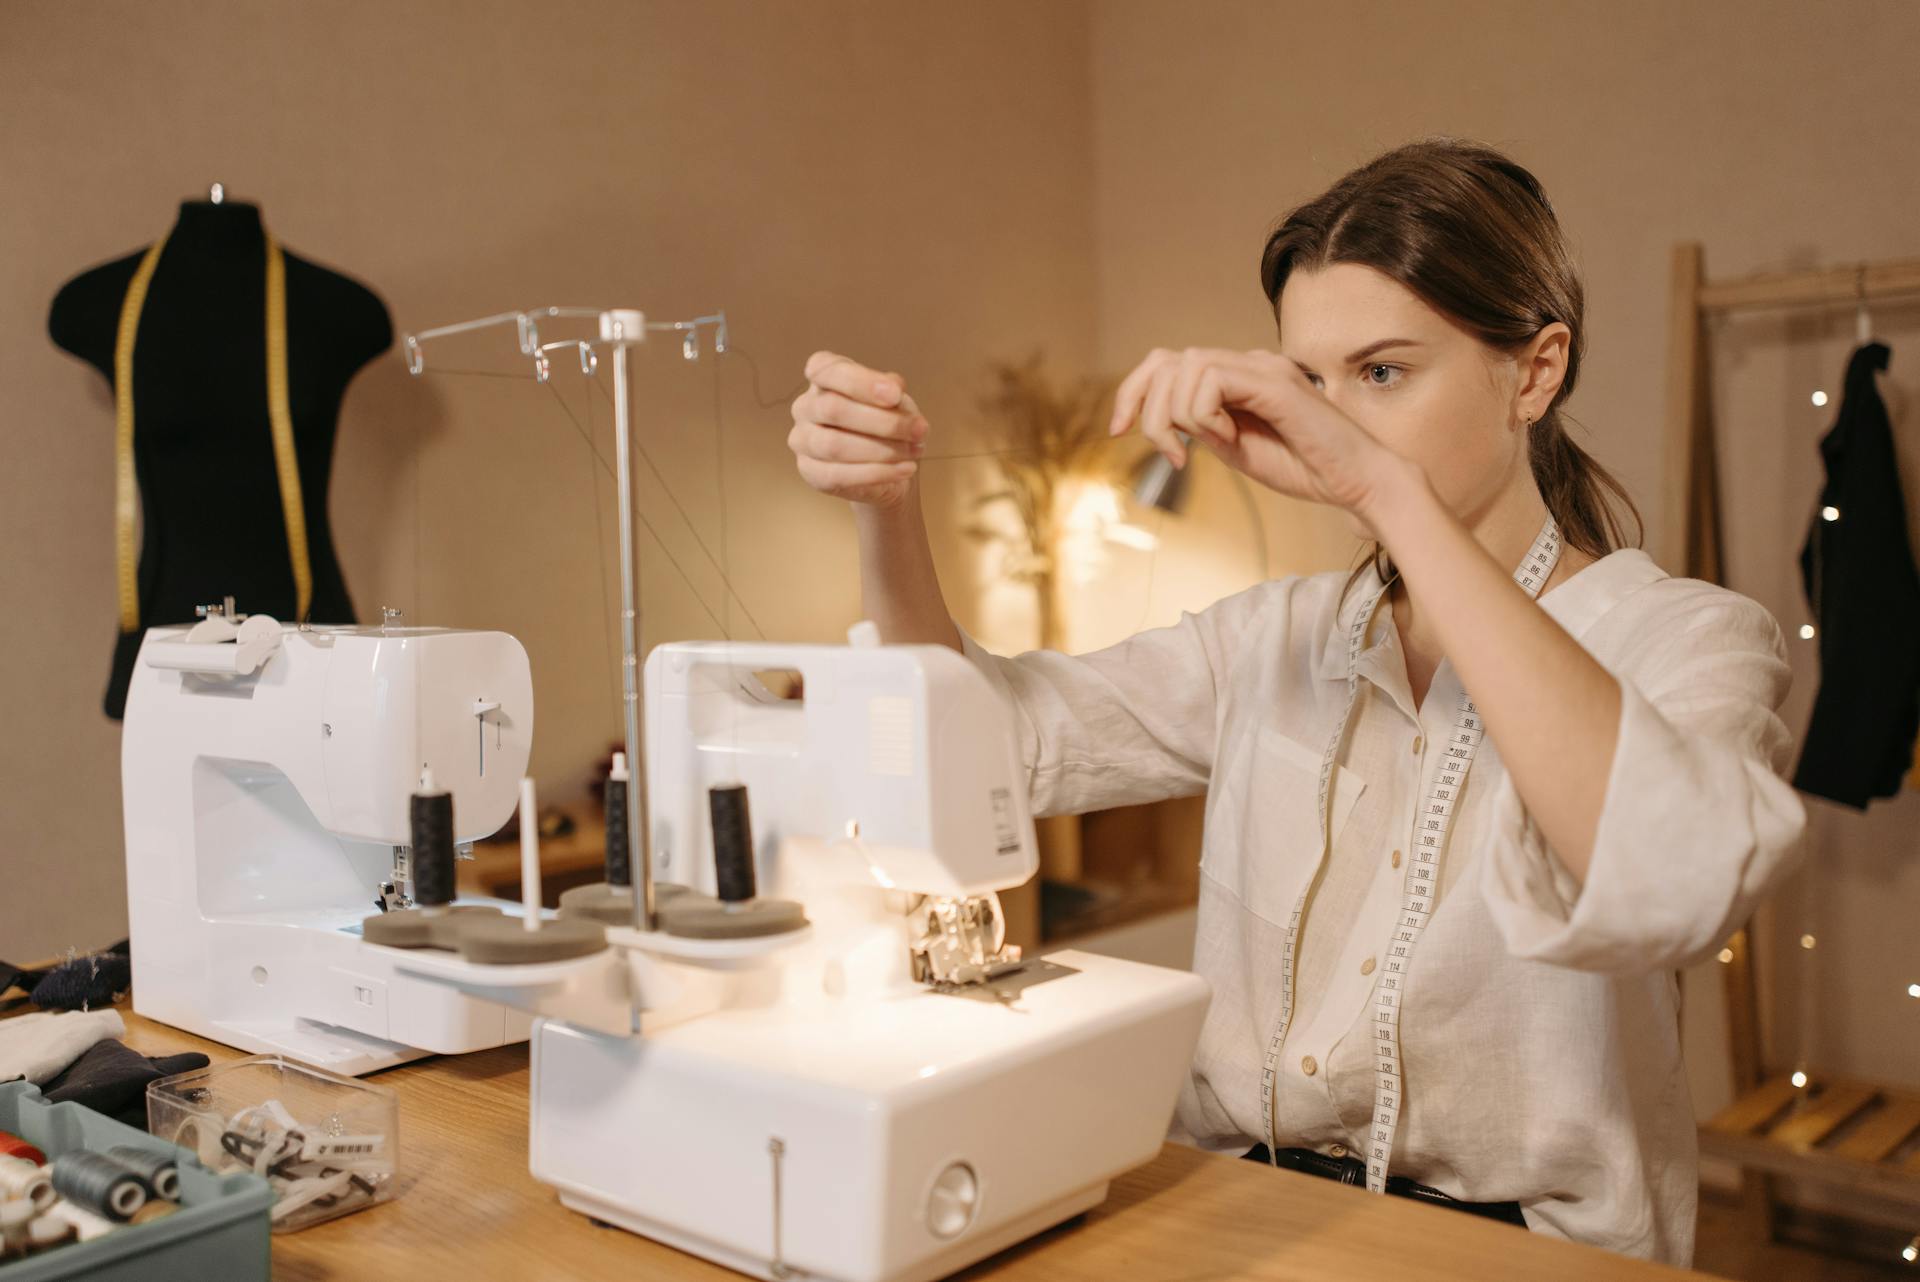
[856, 435]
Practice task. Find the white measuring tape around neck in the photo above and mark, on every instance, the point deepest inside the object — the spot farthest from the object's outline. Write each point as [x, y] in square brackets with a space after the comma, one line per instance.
[1432, 825]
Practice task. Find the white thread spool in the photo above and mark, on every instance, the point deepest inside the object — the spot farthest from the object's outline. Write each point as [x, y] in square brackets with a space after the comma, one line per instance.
[20, 1178]
[529, 856]
[16, 1224]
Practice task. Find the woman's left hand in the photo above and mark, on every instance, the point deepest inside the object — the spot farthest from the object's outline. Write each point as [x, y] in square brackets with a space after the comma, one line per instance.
[1260, 413]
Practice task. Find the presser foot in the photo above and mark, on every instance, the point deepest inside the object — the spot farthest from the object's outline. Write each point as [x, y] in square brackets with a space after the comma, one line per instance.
[960, 942]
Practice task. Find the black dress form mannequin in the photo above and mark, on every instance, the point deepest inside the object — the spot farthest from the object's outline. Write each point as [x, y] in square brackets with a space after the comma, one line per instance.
[210, 507]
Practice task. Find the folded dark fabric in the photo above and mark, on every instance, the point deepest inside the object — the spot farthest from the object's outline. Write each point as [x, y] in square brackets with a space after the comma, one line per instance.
[85, 983]
[112, 1079]
[82, 983]
[22, 977]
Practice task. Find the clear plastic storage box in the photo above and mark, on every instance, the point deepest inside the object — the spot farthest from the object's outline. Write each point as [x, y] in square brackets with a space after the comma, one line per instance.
[328, 1145]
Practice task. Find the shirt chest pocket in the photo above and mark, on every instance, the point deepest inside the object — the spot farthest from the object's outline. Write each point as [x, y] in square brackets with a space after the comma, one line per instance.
[1263, 824]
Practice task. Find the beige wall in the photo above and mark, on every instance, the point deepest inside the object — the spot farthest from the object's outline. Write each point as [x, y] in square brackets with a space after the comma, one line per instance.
[909, 184]
[1761, 129]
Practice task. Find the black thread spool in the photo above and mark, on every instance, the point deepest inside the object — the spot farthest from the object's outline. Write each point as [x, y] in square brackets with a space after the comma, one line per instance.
[160, 1171]
[432, 817]
[732, 843]
[619, 867]
[99, 1184]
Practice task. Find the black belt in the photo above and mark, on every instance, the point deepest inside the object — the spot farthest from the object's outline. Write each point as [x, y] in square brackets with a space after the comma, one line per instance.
[1351, 1170]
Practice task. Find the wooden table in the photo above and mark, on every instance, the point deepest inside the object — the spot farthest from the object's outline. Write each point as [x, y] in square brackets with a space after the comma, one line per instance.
[468, 1210]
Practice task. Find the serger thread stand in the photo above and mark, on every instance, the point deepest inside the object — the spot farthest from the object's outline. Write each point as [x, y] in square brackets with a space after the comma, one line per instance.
[619, 330]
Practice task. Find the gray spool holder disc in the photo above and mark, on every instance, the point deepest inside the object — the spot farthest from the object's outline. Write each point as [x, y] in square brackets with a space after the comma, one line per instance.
[485, 936]
[694, 916]
[420, 927]
[505, 941]
[613, 905]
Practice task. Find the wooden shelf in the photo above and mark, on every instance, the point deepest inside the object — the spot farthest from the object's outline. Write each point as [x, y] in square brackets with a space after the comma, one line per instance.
[565, 862]
[1864, 281]
[1105, 907]
[1832, 1130]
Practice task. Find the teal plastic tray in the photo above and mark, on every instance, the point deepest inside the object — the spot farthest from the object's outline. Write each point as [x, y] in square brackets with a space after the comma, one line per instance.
[220, 1232]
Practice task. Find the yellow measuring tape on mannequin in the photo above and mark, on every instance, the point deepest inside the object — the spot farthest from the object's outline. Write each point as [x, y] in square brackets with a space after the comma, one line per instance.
[286, 463]
[278, 411]
[123, 492]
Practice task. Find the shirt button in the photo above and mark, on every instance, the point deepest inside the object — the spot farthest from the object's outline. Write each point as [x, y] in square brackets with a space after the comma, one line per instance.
[1337, 1150]
[1396, 859]
[1308, 1066]
[1417, 742]
[1366, 967]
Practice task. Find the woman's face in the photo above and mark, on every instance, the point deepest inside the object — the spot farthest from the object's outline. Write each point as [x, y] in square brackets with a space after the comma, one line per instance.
[1416, 381]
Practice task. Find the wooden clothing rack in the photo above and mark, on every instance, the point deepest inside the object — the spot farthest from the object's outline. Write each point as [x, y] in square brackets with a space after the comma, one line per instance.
[1692, 542]
[1847, 1133]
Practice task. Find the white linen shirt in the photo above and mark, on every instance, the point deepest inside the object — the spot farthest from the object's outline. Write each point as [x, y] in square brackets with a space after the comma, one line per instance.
[1539, 1030]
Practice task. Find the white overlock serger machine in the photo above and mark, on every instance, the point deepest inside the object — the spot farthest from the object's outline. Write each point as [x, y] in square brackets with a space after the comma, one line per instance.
[267, 773]
[811, 1054]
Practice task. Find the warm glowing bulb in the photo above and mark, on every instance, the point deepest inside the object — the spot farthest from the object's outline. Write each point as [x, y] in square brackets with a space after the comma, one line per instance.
[1819, 398]
[1726, 954]
[1799, 1079]
[1092, 506]
[1911, 1251]
[1806, 941]
[1913, 990]
[1806, 632]
[1132, 536]
[1829, 513]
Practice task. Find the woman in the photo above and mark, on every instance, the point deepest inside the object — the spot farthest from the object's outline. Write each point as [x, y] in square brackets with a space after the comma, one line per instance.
[1441, 932]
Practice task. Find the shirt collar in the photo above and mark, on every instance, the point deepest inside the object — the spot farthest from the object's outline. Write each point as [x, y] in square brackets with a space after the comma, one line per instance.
[1333, 647]
[1575, 604]
[1590, 595]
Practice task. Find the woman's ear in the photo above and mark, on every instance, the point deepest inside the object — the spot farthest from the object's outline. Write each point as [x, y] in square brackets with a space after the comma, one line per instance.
[1543, 368]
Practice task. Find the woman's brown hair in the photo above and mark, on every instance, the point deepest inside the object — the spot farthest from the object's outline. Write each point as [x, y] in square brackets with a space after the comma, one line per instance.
[1473, 234]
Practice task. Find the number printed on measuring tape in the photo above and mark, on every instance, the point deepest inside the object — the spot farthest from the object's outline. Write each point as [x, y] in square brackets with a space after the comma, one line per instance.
[1421, 883]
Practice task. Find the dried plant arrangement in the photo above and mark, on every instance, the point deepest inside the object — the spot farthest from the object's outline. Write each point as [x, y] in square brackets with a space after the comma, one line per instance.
[1046, 435]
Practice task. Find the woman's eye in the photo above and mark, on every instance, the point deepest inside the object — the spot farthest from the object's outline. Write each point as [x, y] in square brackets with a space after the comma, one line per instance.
[1384, 375]
[1317, 381]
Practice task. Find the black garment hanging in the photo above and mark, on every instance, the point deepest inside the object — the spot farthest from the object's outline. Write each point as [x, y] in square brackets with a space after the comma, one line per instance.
[1859, 575]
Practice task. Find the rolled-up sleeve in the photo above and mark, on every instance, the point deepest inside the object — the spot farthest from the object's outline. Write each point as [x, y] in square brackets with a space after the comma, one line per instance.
[1697, 823]
[1133, 723]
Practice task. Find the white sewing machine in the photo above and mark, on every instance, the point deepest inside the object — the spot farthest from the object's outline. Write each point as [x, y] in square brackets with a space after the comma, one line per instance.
[266, 772]
[881, 1094]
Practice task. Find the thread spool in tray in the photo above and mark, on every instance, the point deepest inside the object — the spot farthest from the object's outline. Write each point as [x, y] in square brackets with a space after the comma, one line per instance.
[97, 1183]
[21, 1179]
